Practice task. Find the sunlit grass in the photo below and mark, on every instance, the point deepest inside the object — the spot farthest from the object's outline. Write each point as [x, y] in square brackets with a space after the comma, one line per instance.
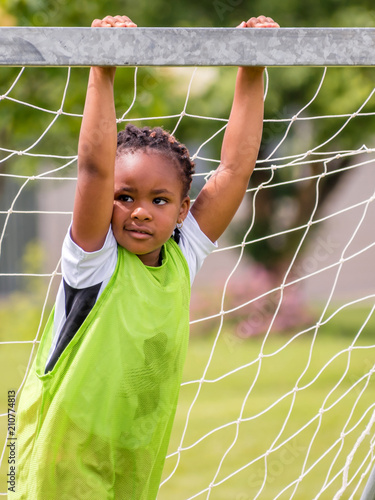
[260, 397]
[329, 371]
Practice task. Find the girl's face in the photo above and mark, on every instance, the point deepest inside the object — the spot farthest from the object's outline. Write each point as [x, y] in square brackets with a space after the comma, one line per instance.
[148, 203]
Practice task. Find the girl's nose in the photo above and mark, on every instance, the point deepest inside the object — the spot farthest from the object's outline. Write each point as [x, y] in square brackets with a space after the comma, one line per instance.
[140, 213]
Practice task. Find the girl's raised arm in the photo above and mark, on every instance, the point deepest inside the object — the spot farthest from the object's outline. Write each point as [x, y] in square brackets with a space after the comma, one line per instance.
[97, 145]
[220, 198]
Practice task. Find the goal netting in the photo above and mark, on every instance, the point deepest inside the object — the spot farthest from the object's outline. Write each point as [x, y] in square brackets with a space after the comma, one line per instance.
[277, 399]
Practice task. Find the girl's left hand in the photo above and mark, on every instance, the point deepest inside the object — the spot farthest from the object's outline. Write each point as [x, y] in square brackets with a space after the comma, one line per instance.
[259, 22]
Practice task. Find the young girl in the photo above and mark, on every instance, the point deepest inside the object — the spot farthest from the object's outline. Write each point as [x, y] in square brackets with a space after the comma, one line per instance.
[97, 408]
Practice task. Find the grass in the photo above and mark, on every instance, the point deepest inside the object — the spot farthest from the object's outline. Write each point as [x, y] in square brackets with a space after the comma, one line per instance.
[261, 392]
[281, 367]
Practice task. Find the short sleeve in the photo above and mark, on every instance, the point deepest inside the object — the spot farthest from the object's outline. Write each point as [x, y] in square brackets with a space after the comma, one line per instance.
[82, 269]
[194, 244]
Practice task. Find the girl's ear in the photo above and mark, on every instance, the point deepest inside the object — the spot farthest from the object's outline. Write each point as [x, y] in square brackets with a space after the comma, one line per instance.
[184, 208]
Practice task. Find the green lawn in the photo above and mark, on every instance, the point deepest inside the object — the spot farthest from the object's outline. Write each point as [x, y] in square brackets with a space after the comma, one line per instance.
[221, 403]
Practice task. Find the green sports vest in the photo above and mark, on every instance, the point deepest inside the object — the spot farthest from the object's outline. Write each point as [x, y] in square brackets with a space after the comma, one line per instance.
[97, 426]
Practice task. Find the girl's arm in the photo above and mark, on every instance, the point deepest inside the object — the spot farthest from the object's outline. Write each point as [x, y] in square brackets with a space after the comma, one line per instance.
[97, 145]
[220, 198]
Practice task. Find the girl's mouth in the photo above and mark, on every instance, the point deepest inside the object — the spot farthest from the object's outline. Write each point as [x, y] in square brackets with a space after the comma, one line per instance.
[139, 232]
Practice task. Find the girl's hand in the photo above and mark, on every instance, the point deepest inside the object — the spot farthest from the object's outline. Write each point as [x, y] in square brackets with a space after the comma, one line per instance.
[113, 22]
[259, 22]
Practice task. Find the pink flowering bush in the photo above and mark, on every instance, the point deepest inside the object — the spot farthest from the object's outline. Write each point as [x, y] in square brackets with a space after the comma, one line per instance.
[253, 302]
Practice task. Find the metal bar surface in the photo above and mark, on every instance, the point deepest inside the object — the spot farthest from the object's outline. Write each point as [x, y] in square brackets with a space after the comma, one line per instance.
[30, 46]
[369, 491]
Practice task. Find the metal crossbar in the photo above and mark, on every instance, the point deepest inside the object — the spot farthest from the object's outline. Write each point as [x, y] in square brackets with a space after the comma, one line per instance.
[30, 46]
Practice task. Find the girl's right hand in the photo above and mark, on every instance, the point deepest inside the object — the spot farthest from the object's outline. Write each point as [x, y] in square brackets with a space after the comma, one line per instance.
[113, 22]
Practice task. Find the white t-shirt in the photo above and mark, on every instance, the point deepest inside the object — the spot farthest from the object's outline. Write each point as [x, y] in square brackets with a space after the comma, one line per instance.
[91, 271]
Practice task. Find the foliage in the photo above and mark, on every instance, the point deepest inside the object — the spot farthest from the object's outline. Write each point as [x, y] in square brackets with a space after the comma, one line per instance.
[159, 91]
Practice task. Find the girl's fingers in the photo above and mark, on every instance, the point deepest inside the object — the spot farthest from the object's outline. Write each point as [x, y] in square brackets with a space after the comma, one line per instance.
[113, 21]
[96, 23]
[109, 20]
[124, 20]
[260, 22]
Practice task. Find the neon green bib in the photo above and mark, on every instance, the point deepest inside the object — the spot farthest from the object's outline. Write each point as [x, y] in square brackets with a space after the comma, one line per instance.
[97, 426]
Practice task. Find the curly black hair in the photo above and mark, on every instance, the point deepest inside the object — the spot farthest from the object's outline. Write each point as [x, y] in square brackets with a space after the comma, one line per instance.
[133, 139]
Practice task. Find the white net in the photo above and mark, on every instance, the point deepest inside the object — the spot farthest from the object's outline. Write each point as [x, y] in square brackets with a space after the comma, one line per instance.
[276, 400]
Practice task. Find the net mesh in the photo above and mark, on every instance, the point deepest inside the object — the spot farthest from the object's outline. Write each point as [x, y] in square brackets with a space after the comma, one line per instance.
[277, 394]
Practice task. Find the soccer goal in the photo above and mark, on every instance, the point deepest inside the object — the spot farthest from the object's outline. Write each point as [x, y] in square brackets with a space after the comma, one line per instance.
[277, 400]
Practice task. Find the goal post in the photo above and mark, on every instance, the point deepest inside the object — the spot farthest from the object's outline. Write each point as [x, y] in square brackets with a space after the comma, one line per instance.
[187, 47]
[252, 319]
[369, 491]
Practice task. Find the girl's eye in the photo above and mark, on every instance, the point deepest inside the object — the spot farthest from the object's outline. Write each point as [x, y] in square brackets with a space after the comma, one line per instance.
[160, 201]
[125, 197]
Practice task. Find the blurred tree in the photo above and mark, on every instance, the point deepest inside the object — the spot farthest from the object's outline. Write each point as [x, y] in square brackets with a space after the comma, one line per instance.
[159, 93]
